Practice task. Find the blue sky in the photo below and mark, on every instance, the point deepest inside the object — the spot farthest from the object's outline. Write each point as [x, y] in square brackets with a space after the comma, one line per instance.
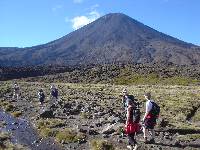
[25, 23]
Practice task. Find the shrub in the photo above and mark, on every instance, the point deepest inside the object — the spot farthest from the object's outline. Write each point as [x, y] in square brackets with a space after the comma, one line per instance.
[9, 107]
[69, 136]
[16, 113]
[47, 132]
[101, 145]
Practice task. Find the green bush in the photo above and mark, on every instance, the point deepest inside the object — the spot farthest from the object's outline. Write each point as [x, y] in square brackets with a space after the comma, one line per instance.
[69, 136]
[153, 79]
[101, 145]
[47, 132]
[9, 107]
[16, 113]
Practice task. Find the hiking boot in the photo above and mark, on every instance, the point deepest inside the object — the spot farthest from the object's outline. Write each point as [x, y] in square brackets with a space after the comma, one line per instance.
[152, 141]
[145, 140]
[130, 147]
[135, 147]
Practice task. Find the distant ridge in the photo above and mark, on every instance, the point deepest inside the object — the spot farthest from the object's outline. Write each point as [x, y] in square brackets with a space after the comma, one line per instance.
[113, 38]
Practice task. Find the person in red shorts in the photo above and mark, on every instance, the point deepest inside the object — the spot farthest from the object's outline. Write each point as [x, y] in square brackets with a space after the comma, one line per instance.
[149, 119]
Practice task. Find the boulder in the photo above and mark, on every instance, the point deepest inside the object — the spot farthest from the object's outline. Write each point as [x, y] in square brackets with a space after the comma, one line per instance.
[47, 114]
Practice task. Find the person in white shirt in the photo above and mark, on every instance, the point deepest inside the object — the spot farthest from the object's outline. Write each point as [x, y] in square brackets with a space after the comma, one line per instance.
[16, 91]
[148, 119]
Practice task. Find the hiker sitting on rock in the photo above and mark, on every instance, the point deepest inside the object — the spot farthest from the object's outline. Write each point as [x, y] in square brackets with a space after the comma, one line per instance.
[16, 91]
[41, 96]
[132, 124]
[151, 114]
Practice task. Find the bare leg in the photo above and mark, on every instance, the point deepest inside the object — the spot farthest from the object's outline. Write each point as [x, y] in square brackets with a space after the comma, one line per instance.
[145, 131]
[152, 133]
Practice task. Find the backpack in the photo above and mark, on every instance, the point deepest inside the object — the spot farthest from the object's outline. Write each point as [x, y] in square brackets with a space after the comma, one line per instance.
[54, 93]
[41, 95]
[155, 111]
[136, 115]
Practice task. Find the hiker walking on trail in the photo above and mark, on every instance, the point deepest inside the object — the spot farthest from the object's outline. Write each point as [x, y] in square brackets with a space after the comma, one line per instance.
[41, 96]
[149, 120]
[16, 91]
[132, 124]
[54, 93]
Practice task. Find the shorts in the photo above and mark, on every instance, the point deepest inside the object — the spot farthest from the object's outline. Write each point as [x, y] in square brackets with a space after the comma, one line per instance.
[41, 100]
[149, 123]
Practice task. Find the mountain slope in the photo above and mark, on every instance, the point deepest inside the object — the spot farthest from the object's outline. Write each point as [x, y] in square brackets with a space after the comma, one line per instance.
[112, 38]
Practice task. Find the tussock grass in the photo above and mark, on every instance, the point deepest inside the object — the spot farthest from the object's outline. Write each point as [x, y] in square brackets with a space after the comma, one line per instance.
[188, 137]
[16, 113]
[69, 136]
[97, 144]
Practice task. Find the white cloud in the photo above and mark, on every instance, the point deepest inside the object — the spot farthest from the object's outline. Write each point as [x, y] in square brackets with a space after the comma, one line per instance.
[77, 1]
[57, 7]
[80, 21]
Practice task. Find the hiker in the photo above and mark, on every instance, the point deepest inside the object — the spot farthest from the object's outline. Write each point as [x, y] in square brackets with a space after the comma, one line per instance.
[54, 93]
[16, 90]
[41, 96]
[149, 120]
[132, 124]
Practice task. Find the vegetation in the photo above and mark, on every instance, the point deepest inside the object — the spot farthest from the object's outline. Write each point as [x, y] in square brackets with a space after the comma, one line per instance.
[16, 113]
[6, 144]
[188, 137]
[153, 79]
[69, 136]
[101, 145]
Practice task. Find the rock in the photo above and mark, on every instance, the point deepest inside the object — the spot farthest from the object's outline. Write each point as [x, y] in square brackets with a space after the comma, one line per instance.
[14, 123]
[98, 124]
[53, 106]
[108, 129]
[163, 123]
[105, 136]
[67, 105]
[91, 126]
[93, 132]
[82, 130]
[47, 114]
[81, 141]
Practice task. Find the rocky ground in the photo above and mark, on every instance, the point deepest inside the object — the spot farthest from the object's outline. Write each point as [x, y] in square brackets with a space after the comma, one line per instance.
[90, 116]
[110, 73]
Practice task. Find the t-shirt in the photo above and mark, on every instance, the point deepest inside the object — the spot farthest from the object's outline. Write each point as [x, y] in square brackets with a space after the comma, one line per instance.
[149, 105]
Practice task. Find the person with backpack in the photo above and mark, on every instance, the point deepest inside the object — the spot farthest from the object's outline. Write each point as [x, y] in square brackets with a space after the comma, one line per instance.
[54, 94]
[41, 96]
[149, 120]
[132, 125]
[16, 90]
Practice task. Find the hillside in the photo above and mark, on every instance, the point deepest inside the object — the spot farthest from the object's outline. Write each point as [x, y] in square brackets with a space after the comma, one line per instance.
[113, 38]
[91, 116]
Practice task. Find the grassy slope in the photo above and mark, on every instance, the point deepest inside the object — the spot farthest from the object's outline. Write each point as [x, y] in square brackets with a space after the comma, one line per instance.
[177, 102]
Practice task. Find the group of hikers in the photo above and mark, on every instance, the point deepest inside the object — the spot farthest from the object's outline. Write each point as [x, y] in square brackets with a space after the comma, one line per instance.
[53, 94]
[132, 111]
[132, 125]
[41, 94]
